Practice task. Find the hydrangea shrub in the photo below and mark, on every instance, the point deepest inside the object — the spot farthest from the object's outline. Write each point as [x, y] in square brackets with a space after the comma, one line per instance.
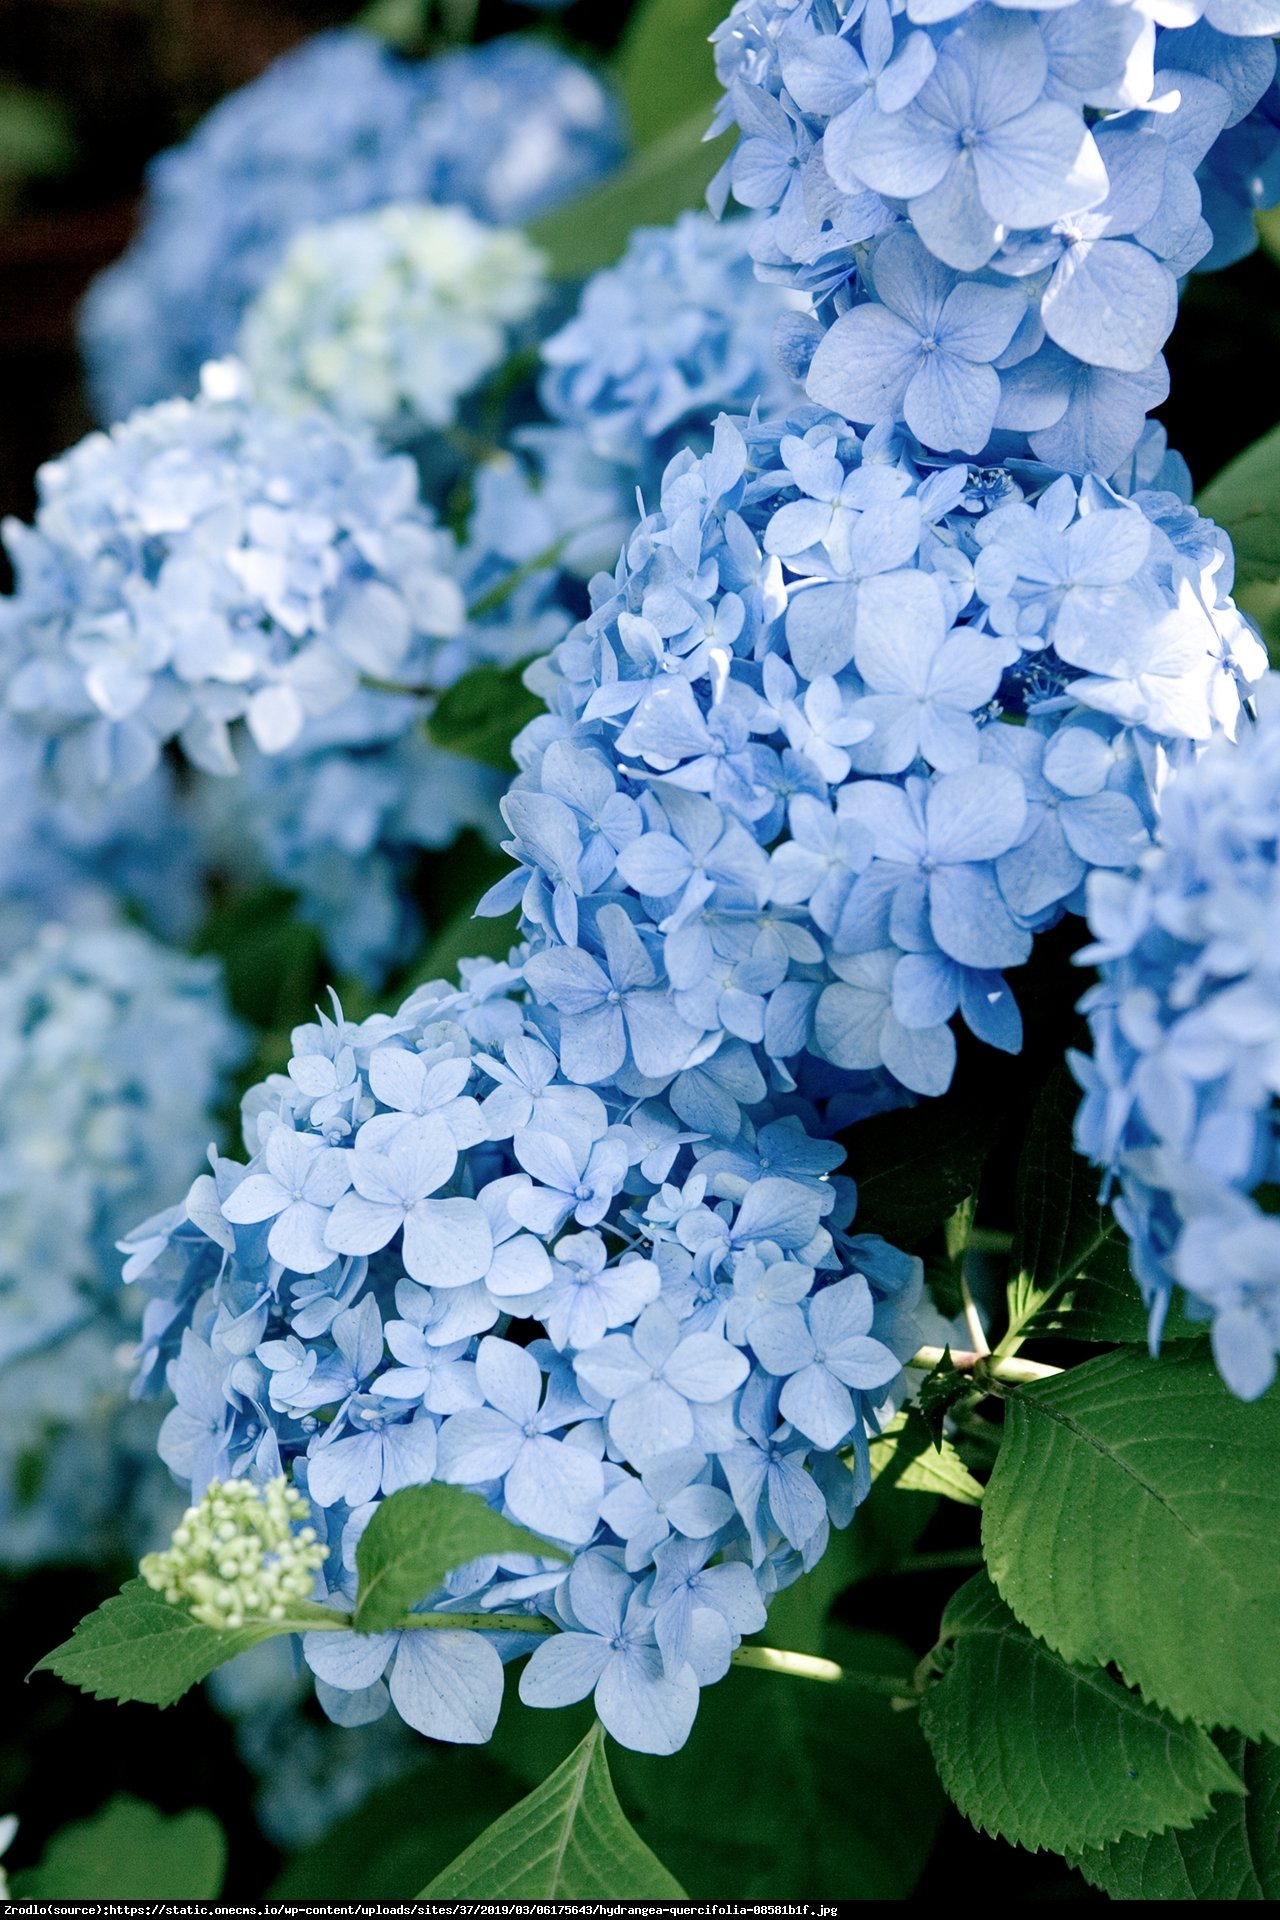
[550, 1291]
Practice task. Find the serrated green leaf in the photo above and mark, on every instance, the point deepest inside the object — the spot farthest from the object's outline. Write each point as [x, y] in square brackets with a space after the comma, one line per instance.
[1051, 1755]
[1133, 1517]
[664, 67]
[568, 1840]
[915, 1166]
[129, 1851]
[1232, 1854]
[668, 176]
[1245, 499]
[1070, 1261]
[905, 1456]
[135, 1646]
[403, 1833]
[482, 713]
[768, 1796]
[419, 1535]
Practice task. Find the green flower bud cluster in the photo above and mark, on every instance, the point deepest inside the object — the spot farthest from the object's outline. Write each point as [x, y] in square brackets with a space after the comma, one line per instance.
[241, 1554]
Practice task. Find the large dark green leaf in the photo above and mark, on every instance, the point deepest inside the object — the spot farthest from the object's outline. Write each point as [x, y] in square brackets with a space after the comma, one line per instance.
[1133, 1517]
[567, 1840]
[1052, 1755]
[1232, 1854]
[129, 1851]
[915, 1166]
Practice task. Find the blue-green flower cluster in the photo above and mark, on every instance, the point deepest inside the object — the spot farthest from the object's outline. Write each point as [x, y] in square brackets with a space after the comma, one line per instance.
[340, 125]
[113, 1052]
[389, 318]
[1181, 1090]
[711, 1345]
[992, 205]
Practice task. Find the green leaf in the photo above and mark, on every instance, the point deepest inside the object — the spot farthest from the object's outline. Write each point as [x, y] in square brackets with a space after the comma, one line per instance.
[273, 962]
[482, 713]
[403, 1833]
[568, 1840]
[129, 1851]
[915, 1166]
[135, 1646]
[937, 1393]
[1245, 499]
[789, 1786]
[35, 133]
[1132, 1517]
[401, 23]
[905, 1456]
[664, 68]
[1051, 1755]
[664, 179]
[419, 1535]
[1070, 1264]
[1232, 1854]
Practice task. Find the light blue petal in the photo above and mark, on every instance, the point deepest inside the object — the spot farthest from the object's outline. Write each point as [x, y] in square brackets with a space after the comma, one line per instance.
[447, 1685]
[563, 1669]
[641, 1707]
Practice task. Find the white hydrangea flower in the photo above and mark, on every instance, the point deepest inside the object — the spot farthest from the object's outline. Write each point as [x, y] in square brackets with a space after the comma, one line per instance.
[389, 318]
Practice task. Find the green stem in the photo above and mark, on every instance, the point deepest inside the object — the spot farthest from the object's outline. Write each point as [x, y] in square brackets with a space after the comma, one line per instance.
[809, 1666]
[941, 1562]
[989, 1367]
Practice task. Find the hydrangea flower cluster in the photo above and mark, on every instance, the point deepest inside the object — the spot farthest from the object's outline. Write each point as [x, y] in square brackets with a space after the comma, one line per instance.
[388, 318]
[207, 563]
[1181, 1090]
[711, 1344]
[113, 1051]
[679, 331]
[991, 205]
[340, 125]
[844, 732]
[259, 590]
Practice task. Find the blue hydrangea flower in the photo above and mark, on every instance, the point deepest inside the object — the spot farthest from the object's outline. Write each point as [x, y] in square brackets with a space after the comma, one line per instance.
[270, 597]
[340, 125]
[639, 1427]
[1180, 1098]
[112, 1061]
[935, 698]
[1053, 161]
